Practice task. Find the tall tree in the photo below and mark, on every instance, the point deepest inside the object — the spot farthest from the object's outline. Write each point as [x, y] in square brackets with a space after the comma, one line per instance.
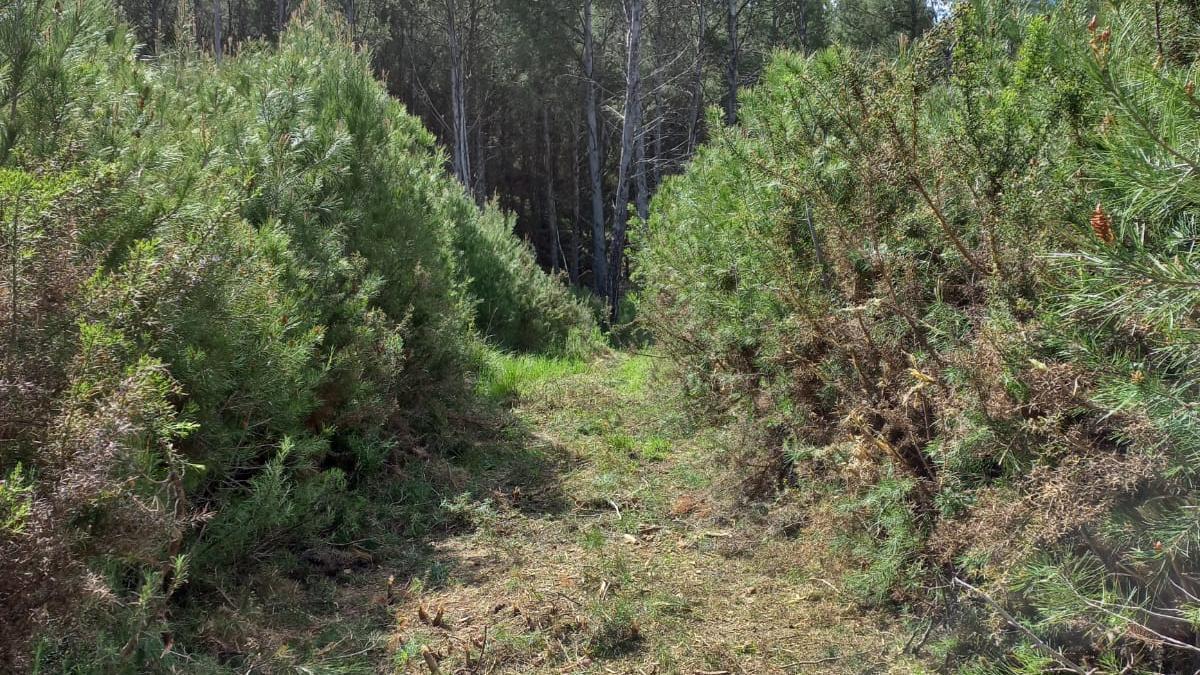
[630, 127]
[551, 206]
[876, 24]
[696, 96]
[482, 74]
[576, 208]
[460, 148]
[218, 32]
[599, 263]
[732, 74]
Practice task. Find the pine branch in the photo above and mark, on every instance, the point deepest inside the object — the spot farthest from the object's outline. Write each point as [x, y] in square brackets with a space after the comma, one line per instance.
[1122, 98]
[1011, 620]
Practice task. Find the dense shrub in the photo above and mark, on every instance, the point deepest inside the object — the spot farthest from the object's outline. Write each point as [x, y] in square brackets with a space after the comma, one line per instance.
[515, 306]
[899, 271]
[232, 293]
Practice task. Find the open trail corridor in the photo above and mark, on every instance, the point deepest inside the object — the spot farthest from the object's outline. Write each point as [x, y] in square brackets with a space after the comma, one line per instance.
[602, 540]
[696, 337]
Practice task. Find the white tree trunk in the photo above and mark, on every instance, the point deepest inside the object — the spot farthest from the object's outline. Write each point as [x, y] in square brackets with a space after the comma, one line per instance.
[629, 131]
[460, 138]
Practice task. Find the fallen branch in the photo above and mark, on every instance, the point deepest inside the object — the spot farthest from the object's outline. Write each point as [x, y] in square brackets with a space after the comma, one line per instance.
[813, 662]
[1041, 644]
[919, 643]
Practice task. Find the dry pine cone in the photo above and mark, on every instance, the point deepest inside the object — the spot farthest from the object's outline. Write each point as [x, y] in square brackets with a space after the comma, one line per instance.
[1102, 225]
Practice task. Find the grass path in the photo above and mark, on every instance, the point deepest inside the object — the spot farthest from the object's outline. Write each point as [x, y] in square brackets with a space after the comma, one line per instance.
[605, 546]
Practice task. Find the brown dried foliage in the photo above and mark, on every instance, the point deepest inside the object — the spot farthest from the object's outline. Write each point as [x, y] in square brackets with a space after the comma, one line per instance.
[90, 498]
[1050, 505]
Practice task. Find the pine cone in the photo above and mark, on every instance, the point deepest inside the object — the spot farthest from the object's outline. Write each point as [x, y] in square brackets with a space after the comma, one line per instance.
[1102, 225]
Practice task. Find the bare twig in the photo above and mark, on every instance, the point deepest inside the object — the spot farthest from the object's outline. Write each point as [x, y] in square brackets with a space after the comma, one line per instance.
[1053, 653]
[616, 508]
[813, 662]
[910, 648]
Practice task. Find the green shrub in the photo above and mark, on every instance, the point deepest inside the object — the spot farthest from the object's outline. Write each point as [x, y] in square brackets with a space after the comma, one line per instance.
[232, 291]
[903, 263]
[517, 305]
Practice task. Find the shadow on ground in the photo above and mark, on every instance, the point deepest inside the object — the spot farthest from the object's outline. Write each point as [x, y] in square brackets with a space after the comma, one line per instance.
[331, 607]
[501, 465]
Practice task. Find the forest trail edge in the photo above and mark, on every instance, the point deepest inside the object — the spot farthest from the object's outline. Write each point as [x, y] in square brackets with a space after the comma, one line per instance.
[625, 559]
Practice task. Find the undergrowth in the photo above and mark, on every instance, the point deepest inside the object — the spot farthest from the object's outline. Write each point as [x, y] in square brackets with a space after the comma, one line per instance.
[239, 309]
[952, 292]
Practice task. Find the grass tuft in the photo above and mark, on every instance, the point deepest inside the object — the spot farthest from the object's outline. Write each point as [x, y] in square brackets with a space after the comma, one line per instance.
[504, 376]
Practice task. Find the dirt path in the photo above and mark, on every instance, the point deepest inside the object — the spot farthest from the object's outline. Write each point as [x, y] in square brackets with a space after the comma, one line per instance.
[619, 556]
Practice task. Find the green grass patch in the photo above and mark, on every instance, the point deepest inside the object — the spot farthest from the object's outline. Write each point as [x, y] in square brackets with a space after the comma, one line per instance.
[633, 375]
[616, 628]
[505, 376]
[655, 449]
[621, 443]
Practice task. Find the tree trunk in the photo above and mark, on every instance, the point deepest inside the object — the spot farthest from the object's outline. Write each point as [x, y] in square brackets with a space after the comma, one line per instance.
[656, 160]
[775, 24]
[802, 27]
[696, 111]
[410, 57]
[629, 130]
[281, 7]
[461, 153]
[640, 169]
[156, 10]
[653, 163]
[551, 206]
[731, 69]
[577, 208]
[218, 38]
[481, 191]
[599, 260]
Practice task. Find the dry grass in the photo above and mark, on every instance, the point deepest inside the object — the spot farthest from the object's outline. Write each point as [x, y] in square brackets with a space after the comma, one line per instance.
[601, 534]
[651, 569]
